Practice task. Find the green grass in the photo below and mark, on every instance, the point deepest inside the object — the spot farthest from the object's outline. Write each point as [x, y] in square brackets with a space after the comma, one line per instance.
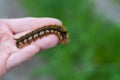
[93, 52]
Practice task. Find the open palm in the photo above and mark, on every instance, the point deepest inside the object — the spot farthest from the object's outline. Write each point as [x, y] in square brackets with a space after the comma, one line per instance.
[10, 55]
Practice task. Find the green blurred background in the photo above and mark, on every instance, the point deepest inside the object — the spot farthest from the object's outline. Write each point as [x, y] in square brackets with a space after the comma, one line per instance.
[93, 52]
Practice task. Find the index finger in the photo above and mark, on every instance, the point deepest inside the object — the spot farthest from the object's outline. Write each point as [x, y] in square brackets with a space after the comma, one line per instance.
[25, 24]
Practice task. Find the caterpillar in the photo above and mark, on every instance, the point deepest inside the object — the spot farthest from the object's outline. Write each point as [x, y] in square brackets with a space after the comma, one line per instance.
[59, 31]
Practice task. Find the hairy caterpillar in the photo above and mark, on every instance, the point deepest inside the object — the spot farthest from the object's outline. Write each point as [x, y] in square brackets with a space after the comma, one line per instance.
[41, 32]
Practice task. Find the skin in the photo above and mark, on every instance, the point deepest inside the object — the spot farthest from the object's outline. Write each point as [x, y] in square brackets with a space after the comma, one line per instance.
[10, 55]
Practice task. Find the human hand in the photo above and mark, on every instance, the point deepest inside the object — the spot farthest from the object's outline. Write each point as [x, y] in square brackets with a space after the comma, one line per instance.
[10, 55]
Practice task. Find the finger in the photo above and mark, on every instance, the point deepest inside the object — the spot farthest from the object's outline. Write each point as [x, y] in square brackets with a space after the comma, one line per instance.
[30, 50]
[21, 56]
[24, 24]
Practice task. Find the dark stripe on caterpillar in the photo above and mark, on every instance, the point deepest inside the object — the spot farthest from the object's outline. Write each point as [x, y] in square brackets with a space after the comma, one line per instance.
[41, 32]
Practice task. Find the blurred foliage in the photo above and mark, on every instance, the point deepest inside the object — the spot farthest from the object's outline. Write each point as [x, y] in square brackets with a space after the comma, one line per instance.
[93, 52]
[116, 1]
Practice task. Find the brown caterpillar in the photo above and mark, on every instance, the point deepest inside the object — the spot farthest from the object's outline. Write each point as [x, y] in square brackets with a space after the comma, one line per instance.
[41, 32]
